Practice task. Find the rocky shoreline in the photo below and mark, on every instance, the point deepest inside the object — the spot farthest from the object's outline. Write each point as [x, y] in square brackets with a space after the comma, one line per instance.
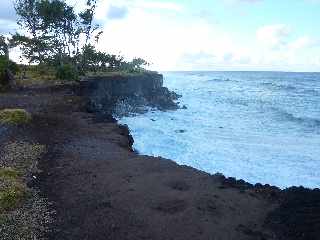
[101, 189]
[286, 223]
[127, 94]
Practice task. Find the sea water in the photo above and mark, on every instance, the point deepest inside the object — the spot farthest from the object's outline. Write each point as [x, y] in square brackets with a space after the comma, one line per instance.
[263, 127]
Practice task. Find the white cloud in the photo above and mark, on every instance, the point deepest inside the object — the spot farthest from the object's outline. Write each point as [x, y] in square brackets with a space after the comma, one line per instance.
[274, 36]
[165, 38]
[172, 41]
[146, 33]
[165, 34]
[304, 42]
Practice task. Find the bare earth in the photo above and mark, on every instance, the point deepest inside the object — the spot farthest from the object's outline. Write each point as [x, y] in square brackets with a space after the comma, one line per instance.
[103, 190]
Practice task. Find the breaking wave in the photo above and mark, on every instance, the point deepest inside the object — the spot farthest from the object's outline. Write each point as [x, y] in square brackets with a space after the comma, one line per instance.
[258, 126]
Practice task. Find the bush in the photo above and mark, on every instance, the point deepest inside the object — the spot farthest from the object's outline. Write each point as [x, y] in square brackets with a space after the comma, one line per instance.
[3, 66]
[14, 116]
[13, 67]
[7, 64]
[67, 72]
[42, 69]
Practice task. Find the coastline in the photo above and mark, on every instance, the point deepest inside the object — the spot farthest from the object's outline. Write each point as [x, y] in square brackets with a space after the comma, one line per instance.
[101, 189]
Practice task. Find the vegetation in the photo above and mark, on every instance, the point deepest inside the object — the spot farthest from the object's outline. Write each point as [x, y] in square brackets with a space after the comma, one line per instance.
[14, 116]
[12, 190]
[6, 65]
[56, 36]
[23, 213]
[58, 43]
[67, 72]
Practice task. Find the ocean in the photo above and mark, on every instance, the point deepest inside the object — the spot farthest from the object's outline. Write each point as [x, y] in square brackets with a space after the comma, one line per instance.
[262, 127]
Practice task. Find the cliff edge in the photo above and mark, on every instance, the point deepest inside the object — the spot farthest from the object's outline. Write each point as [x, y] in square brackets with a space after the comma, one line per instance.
[100, 189]
[122, 94]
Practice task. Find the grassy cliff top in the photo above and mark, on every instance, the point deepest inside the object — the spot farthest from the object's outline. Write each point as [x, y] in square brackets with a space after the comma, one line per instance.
[119, 74]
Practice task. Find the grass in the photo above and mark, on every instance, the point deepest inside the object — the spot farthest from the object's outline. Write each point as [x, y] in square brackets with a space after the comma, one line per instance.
[8, 173]
[24, 214]
[14, 116]
[46, 75]
[117, 73]
[36, 75]
[12, 190]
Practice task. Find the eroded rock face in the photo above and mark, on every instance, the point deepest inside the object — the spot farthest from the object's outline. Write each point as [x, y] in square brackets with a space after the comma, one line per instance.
[122, 94]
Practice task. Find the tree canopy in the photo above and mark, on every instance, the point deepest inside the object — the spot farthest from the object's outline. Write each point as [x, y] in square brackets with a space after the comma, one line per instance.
[53, 33]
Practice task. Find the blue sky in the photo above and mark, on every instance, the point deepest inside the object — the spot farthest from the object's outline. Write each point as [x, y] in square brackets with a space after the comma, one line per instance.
[209, 34]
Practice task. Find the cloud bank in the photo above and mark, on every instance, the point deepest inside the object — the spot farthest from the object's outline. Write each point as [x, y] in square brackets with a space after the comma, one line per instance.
[175, 35]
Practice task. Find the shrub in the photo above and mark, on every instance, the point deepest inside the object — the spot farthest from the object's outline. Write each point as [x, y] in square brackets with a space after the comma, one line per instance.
[42, 69]
[7, 64]
[67, 72]
[14, 116]
[3, 66]
[13, 67]
[12, 190]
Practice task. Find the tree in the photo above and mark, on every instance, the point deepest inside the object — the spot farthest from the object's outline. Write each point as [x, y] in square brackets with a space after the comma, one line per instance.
[32, 45]
[58, 23]
[4, 47]
[7, 67]
[56, 34]
[137, 64]
[89, 29]
[86, 18]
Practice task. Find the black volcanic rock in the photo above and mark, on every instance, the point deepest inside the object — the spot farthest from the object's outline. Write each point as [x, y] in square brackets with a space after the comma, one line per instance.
[122, 94]
[298, 216]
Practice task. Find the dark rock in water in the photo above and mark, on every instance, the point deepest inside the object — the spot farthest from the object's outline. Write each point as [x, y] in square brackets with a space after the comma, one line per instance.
[163, 99]
[125, 94]
[184, 107]
[124, 131]
[180, 131]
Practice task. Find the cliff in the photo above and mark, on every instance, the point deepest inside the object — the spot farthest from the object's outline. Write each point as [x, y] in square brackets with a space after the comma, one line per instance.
[99, 189]
[123, 94]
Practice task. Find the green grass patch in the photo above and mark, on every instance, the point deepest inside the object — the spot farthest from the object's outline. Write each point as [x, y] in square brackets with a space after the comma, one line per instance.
[36, 75]
[117, 73]
[12, 190]
[14, 116]
[6, 173]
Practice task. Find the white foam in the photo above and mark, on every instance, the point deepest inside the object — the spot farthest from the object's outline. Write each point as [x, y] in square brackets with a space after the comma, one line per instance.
[231, 127]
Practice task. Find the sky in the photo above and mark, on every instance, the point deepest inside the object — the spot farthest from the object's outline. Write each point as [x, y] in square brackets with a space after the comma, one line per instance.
[266, 35]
